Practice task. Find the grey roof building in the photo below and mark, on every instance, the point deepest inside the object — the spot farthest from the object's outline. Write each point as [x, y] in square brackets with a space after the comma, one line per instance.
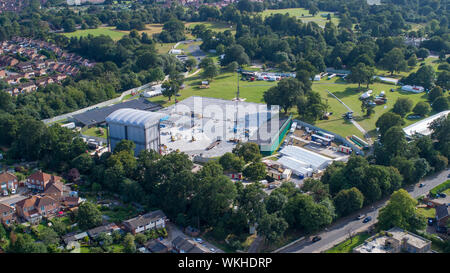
[98, 116]
[151, 220]
[141, 127]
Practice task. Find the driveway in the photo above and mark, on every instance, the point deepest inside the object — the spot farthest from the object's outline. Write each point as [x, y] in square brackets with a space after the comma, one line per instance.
[12, 199]
[173, 232]
[340, 230]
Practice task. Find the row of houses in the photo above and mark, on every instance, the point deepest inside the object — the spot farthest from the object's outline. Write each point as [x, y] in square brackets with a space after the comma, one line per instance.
[49, 198]
[38, 70]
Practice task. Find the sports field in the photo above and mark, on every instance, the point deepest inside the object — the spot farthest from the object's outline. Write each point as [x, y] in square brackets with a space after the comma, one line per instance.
[304, 15]
[109, 31]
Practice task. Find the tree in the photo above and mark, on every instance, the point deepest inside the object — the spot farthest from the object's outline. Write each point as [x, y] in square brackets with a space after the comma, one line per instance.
[441, 104]
[24, 243]
[250, 201]
[248, 151]
[388, 120]
[231, 162]
[48, 236]
[394, 60]
[394, 141]
[348, 201]
[88, 216]
[140, 238]
[272, 227]
[358, 74]
[190, 64]
[422, 53]
[84, 163]
[302, 212]
[412, 61]
[206, 62]
[401, 212]
[170, 88]
[275, 202]
[125, 145]
[255, 171]
[424, 76]
[422, 108]
[210, 71]
[435, 93]
[128, 243]
[69, 25]
[285, 94]
[235, 53]
[313, 10]
[443, 80]
[402, 106]
[104, 239]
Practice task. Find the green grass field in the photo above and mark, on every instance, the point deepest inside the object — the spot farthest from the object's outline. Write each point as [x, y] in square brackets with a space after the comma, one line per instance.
[109, 31]
[349, 94]
[348, 245]
[223, 86]
[303, 15]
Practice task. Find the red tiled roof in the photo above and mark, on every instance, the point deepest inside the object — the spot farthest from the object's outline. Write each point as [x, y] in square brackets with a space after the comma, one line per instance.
[5, 177]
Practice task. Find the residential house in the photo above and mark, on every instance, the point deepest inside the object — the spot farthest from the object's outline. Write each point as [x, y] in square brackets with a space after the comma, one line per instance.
[151, 220]
[73, 237]
[13, 79]
[186, 245]
[394, 240]
[108, 229]
[27, 87]
[71, 201]
[8, 182]
[39, 180]
[156, 246]
[7, 214]
[442, 215]
[24, 66]
[33, 208]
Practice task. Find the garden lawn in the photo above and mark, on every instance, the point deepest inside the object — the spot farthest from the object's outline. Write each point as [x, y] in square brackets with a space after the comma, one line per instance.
[348, 245]
[95, 132]
[304, 15]
[119, 213]
[108, 31]
[441, 188]
[427, 212]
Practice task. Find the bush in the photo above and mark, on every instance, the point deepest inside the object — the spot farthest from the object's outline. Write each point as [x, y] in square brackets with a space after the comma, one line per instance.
[440, 188]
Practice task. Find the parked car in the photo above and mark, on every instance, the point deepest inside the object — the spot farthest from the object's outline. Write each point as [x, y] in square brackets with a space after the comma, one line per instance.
[212, 249]
[359, 217]
[443, 195]
[198, 240]
[421, 185]
[316, 239]
[430, 221]
[367, 219]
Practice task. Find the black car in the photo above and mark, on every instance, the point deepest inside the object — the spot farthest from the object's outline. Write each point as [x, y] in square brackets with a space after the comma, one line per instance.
[316, 239]
[430, 221]
[367, 219]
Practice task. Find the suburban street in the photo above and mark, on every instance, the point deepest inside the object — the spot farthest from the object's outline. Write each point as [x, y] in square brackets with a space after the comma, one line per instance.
[340, 230]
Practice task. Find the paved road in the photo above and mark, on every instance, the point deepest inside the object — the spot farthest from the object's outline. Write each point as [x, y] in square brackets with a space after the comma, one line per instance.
[340, 230]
